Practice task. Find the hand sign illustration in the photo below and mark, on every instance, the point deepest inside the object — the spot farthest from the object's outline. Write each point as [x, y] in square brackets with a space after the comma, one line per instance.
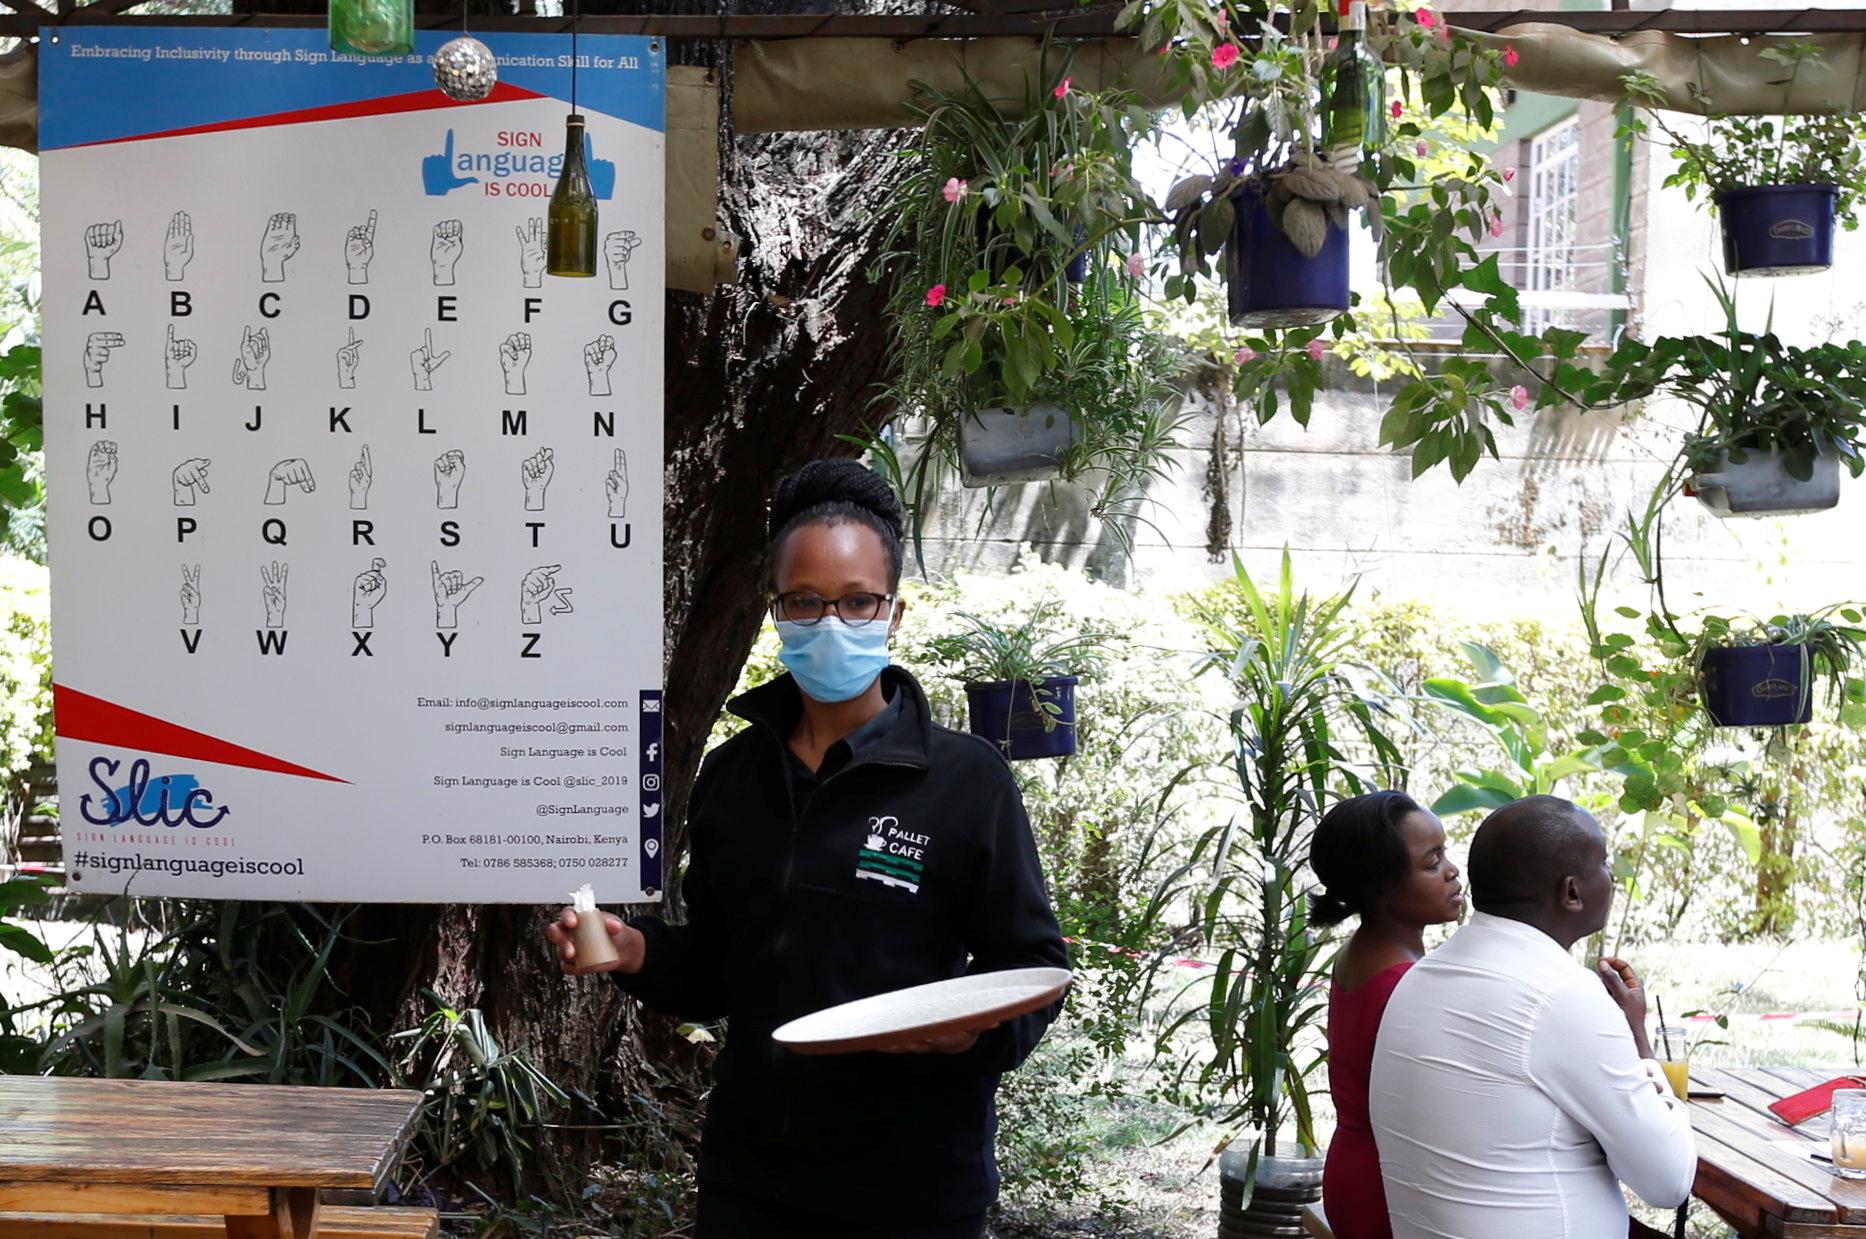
[347, 358]
[362, 473]
[437, 172]
[531, 252]
[189, 476]
[178, 246]
[616, 487]
[536, 470]
[514, 356]
[101, 243]
[177, 356]
[273, 592]
[359, 248]
[249, 368]
[100, 470]
[444, 251]
[540, 585]
[292, 471]
[617, 247]
[598, 355]
[190, 596]
[278, 245]
[449, 472]
[449, 592]
[424, 361]
[97, 348]
[368, 590]
[602, 171]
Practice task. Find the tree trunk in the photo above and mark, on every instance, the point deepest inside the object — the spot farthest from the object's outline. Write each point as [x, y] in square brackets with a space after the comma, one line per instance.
[760, 378]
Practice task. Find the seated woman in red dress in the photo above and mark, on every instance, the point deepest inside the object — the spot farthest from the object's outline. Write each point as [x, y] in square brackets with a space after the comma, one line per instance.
[1382, 858]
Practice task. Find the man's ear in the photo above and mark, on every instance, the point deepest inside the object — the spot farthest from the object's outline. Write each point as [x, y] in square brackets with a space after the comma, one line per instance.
[1571, 894]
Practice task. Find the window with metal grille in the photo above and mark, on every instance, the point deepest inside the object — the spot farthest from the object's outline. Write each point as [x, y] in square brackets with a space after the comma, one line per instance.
[1554, 199]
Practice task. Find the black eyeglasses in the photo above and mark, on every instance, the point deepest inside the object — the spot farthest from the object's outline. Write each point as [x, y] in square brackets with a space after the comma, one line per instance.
[854, 610]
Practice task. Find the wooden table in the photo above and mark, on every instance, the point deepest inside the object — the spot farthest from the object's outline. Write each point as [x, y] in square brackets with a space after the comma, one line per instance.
[253, 1154]
[1758, 1188]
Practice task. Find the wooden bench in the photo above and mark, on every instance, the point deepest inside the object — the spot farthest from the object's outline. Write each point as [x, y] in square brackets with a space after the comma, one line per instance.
[334, 1221]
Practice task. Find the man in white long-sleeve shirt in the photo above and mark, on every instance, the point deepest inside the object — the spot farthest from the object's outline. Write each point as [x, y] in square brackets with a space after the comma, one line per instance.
[1513, 1090]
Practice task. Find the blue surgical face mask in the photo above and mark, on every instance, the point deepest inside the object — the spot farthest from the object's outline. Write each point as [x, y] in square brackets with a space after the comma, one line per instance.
[833, 661]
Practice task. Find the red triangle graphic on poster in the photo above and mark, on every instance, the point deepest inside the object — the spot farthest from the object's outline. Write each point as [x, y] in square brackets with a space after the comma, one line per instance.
[387, 105]
[80, 716]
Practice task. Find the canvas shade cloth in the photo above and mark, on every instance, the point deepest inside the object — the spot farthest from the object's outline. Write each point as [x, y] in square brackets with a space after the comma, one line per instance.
[854, 83]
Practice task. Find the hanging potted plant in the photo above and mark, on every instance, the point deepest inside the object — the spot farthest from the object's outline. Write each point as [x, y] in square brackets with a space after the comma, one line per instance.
[1779, 183]
[1765, 675]
[1007, 230]
[1020, 684]
[1280, 210]
[1776, 422]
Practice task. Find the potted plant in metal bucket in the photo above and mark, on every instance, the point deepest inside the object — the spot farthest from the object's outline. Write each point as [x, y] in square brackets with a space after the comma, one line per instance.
[1245, 1046]
[1015, 256]
[1776, 421]
[1765, 675]
[1020, 681]
[1779, 183]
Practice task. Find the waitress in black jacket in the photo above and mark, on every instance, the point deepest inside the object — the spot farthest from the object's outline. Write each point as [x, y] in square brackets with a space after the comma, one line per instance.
[843, 845]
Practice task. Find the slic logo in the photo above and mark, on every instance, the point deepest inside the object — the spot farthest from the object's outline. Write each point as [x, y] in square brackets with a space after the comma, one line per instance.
[168, 800]
[518, 168]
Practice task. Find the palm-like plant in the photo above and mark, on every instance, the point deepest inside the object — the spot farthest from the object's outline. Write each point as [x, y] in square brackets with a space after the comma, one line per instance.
[1307, 723]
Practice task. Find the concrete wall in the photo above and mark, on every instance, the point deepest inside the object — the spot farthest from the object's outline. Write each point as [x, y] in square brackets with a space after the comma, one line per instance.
[1508, 539]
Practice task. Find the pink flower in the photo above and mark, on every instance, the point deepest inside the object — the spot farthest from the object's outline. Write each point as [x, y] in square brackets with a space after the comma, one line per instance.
[954, 189]
[1496, 223]
[1398, 108]
[936, 296]
[1011, 300]
[1511, 57]
[1426, 18]
[1333, 42]
[1509, 174]
[1224, 55]
[1316, 350]
[1422, 150]
[1519, 397]
[1062, 87]
[1136, 265]
[1245, 355]
[1222, 20]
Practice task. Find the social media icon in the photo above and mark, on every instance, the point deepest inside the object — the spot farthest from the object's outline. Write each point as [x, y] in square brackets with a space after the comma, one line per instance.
[651, 707]
[654, 752]
[651, 810]
[651, 782]
[651, 846]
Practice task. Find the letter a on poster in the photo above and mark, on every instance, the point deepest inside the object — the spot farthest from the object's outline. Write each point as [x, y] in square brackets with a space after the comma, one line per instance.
[355, 512]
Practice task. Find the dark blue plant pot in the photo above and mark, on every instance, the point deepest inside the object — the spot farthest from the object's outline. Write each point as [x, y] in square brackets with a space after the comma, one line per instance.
[1003, 713]
[1269, 281]
[1757, 685]
[1077, 270]
[1777, 229]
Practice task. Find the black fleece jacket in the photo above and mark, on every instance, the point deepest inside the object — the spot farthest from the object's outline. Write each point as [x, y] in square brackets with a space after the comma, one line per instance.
[791, 909]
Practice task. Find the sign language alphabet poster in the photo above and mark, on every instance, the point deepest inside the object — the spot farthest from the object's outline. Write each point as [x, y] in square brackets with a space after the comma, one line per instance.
[355, 512]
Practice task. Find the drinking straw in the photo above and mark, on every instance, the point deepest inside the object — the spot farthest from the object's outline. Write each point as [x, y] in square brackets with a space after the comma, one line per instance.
[1664, 1036]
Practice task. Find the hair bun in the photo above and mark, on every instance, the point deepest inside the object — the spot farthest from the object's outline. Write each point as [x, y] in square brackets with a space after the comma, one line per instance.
[1327, 909]
[836, 481]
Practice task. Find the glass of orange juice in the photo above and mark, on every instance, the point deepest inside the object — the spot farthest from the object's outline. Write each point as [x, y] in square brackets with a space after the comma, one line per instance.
[1849, 1133]
[1674, 1056]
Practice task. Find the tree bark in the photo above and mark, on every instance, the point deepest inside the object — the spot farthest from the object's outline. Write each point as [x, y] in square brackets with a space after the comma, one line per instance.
[760, 378]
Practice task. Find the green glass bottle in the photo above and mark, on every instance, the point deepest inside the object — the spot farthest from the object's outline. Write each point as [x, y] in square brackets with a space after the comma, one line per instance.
[1354, 93]
[372, 27]
[570, 239]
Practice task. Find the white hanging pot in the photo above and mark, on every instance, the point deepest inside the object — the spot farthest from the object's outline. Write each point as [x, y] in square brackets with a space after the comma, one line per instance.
[1761, 486]
[1000, 445]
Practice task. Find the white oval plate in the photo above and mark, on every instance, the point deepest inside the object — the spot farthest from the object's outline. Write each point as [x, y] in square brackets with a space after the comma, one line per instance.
[905, 1016]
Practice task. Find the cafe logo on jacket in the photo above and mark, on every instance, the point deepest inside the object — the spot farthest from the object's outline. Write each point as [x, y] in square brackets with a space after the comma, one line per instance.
[892, 856]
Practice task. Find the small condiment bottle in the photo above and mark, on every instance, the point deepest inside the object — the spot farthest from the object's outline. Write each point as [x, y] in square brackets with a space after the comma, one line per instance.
[596, 950]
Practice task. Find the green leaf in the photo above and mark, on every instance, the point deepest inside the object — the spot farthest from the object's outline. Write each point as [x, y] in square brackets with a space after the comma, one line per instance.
[1465, 798]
